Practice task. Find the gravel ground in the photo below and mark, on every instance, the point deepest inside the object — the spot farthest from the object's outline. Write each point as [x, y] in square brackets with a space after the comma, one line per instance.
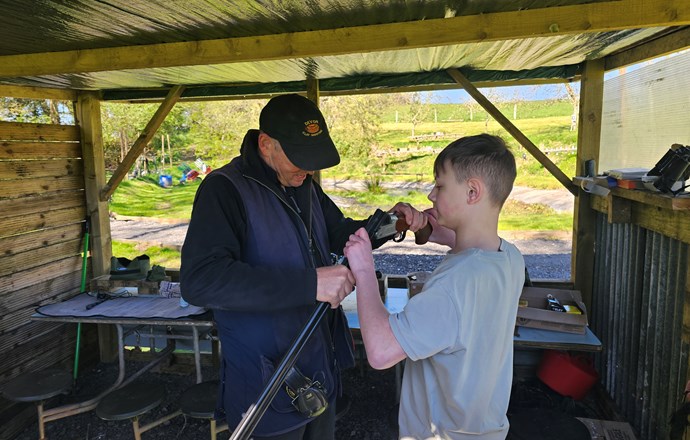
[547, 254]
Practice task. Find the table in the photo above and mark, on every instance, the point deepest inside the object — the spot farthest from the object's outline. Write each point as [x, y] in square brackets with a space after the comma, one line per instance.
[134, 312]
[396, 299]
[549, 339]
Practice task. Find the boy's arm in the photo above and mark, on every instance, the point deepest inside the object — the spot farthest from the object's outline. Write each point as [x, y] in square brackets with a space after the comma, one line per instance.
[383, 350]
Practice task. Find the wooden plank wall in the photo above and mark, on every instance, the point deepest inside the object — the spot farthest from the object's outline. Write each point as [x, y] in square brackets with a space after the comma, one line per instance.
[42, 212]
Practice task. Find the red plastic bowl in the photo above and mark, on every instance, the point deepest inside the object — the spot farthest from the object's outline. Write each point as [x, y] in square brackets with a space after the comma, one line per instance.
[567, 375]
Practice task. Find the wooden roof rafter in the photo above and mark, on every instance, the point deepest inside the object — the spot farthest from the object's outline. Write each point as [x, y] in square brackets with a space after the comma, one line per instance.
[530, 23]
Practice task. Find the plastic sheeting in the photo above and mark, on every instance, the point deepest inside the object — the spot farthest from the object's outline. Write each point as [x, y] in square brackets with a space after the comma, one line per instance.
[35, 26]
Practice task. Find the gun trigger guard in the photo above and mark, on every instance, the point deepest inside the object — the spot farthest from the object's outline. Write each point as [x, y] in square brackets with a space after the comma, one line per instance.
[400, 236]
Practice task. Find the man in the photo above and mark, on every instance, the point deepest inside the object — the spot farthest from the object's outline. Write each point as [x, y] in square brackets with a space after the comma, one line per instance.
[258, 252]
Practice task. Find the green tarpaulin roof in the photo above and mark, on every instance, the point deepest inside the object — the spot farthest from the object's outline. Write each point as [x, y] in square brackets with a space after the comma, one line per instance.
[53, 26]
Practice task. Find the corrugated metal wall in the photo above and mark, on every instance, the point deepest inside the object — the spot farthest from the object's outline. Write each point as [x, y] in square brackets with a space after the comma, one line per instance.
[637, 312]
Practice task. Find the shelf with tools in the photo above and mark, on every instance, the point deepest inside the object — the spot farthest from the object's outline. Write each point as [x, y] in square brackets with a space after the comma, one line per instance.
[651, 210]
[660, 200]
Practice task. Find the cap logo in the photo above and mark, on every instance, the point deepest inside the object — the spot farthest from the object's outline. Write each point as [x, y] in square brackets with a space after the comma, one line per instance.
[312, 128]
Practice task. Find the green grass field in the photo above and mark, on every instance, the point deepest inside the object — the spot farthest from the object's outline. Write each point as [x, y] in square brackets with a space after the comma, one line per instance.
[546, 125]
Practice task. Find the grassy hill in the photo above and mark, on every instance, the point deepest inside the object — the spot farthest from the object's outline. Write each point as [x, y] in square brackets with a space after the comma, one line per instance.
[406, 159]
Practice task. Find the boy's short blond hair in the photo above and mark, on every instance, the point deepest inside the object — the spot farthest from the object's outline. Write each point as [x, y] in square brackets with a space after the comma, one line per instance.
[484, 156]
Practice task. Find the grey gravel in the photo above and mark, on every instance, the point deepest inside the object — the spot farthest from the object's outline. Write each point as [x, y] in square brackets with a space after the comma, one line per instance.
[545, 258]
[547, 255]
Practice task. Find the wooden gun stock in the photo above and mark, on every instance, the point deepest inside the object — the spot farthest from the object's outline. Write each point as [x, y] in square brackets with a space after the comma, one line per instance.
[420, 237]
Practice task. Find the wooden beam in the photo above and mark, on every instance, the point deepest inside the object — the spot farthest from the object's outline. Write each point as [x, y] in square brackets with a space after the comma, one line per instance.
[657, 47]
[313, 94]
[88, 113]
[588, 140]
[401, 89]
[512, 129]
[685, 336]
[669, 223]
[29, 92]
[619, 210]
[498, 26]
[141, 142]
[26, 131]
[89, 118]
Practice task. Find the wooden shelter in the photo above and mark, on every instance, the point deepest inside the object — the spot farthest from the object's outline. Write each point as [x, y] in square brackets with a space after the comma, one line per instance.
[630, 250]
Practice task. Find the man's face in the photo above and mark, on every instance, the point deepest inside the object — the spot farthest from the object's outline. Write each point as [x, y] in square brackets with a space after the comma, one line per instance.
[288, 174]
[448, 197]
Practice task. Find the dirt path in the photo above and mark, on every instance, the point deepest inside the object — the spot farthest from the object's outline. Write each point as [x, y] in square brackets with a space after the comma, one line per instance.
[171, 233]
[561, 200]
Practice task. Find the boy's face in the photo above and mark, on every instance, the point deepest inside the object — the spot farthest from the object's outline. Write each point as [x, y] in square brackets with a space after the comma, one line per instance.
[448, 197]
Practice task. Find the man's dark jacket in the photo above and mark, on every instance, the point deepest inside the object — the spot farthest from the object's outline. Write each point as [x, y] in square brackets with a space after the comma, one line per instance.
[247, 256]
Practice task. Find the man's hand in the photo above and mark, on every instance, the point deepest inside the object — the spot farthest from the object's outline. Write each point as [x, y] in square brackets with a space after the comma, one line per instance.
[439, 234]
[358, 253]
[333, 284]
[415, 219]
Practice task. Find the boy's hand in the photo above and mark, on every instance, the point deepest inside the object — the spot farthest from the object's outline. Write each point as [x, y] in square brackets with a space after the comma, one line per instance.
[439, 234]
[358, 252]
[415, 219]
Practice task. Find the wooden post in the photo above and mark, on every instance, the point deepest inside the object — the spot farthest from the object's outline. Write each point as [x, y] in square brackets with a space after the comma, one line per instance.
[313, 95]
[162, 153]
[685, 337]
[167, 136]
[588, 142]
[88, 114]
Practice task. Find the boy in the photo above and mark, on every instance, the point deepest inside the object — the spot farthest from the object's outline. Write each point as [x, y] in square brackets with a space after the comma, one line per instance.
[458, 332]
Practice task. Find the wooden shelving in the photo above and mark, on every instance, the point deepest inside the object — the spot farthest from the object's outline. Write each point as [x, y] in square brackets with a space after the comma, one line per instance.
[660, 200]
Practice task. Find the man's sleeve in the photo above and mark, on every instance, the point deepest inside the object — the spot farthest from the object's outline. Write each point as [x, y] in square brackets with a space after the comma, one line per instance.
[213, 274]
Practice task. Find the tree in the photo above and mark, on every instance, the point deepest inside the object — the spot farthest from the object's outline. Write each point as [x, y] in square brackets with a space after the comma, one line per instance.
[34, 110]
[574, 98]
[123, 124]
[496, 99]
[418, 109]
[218, 127]
[354, 123]
[472, 107]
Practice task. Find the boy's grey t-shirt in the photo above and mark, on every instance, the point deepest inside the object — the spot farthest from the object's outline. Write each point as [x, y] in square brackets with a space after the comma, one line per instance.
[458, 336]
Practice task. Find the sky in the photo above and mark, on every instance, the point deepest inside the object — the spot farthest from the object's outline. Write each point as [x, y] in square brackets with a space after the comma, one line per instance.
[523, 93]
[534, 93]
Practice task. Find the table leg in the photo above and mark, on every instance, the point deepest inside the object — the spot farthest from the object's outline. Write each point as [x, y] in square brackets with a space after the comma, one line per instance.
[41, 421]
[197, 354]
[82, 407]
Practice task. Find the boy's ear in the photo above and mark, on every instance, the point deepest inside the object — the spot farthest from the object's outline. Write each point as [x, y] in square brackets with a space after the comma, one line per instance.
[475, 190]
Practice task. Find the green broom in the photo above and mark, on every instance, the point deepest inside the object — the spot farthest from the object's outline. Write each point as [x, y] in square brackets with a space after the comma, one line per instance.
[85, 255]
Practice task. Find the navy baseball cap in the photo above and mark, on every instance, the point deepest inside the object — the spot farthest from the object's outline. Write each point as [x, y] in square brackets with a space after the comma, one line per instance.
[299, 126]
